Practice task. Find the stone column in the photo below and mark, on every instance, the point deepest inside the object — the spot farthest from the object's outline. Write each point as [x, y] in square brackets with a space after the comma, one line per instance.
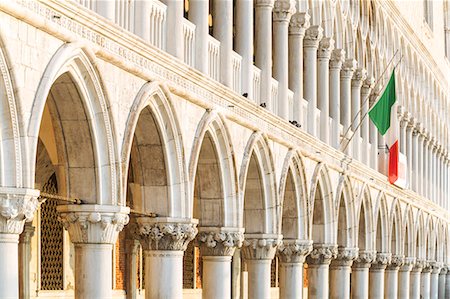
[326, 45]
[258, 251]
[365, 92]
[132, 247]
[337, 58]
[442, 283]
[425, 281]
[17, 206]
[24, 261]
[198, 14]
[414, 290]
[414, 156]
[164, 241]
[434, 279]
[420, 161]
[373, 137]
[223, 32]
[217, 246]
[297, 27]
[376, 275]
[360, 274]
[359, 76]
[340, 270]
[292, 254]
[174, 36]
[263, 47]
[391, 277]
[244, 43]
[404, 277]
[408, 150]
[93, 229]
[347, 71]
[311, 41]
[107, 9]
[318, 269]
[447, 283]
[282, 12]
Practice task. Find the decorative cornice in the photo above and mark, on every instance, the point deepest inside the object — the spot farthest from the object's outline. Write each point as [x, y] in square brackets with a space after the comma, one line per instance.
[382, 259]
[322, 254]
[337, 59]
[313, 35]
[171, 234]
[283, 10]
[345, 256]
[294, 251]
[17, 206]
[326, 46]
[219, 241]
[299, 22]
[364, 259]
[348, 68]
[260, 246]
[91, 223]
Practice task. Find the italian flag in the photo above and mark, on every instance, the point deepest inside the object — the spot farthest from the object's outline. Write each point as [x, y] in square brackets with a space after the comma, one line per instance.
[383, 115]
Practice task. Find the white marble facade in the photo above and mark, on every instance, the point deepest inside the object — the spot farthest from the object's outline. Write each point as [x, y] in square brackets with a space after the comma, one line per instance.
[218, 128]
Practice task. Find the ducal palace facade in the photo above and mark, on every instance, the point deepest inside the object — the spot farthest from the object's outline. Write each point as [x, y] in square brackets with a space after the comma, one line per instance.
[221, 149]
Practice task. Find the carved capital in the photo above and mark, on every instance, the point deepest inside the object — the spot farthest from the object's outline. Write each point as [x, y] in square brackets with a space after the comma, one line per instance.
[382, 259]
[283, 10]
[364, 259]
[299, 22]
[326, 46]
[313, 35]
[348, 68]
[322, 254]
[17, 206]
[337, 58]
[418, 265]
[294, 251]
[436, 267]
[260, 246]
[396, 262]
[264, 3]
[367, 86]
[27, 234]
[345, 256]
[172, 234]
[359, 76]
[408, 264]
[444, 269]
[91, 223]
[426, 267]
[219, 241]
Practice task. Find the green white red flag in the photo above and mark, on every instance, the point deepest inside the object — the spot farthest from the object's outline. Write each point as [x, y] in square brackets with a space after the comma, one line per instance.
[383, 115]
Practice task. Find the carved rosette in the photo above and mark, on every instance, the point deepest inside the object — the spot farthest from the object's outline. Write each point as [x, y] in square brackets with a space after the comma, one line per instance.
[322, 254]
[166, 233]
[337, 58]
[396, 262]
[283, 10]
[294, 251]
[326, 46]
[17, 206]
[313, 35]
[348, 68]
[382, 259]
[408, 264]
[298, 24]
[359, 76]
[364, 259]
[345, 256]
[92, 223]
[219, 241]
[260, 246]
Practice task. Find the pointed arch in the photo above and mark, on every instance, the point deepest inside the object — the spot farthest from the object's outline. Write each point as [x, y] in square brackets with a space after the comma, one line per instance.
[395, 228]
[365, 221]
[344, 208]
[420, 236]
[382, 225]
[409, 232]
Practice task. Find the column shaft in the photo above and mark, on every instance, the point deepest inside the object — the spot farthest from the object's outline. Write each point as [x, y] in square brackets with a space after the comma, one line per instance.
[244, 43]
[198, 14]
[345, 112]
[291, 280]
[376, 275]
[404, 280]
[217, 278]
[365, 92]
[174, 36]
[360, 283]
[326, 45]
[24, 261]
[223, 32]
[337, 57]
[391, 283]
[9, 264]
[425, 284]
[358, 77]
[258, 278]
[318, 270]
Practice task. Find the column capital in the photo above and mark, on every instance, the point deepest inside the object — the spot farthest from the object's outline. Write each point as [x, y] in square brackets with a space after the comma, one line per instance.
[294, 251]
[408, 264]
[345, 256]
[382, 259]
[260, 246]
[264, 3]
[283, 10]
[91, 223]
[364, 259]
[17, 206]
[445, 269]
[172, 234]
[367, 86]
[418, 265]
[219, 241]
[426, 267]
[348, 67]
[27, 233]
[299, 22]
[322, 254]
[313, 35]
[326, 46]
[337, 58]
[359, 75]
[397, 261]
[436, 267]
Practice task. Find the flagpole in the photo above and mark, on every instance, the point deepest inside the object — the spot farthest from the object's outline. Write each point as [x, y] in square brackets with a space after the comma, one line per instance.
[365, 115]
[365, 101]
